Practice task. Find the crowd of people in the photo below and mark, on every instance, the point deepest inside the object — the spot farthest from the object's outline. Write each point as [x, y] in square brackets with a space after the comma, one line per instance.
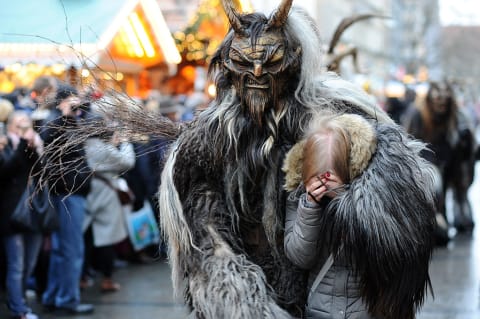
[82, 183]
[274, 201]
[92, 232]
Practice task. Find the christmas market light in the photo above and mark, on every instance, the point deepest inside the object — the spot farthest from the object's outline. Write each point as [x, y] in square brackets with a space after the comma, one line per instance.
[132, 39]
[142, 35]
[164, 38]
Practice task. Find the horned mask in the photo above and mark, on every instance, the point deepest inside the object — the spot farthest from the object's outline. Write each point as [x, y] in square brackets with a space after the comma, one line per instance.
[260, 59]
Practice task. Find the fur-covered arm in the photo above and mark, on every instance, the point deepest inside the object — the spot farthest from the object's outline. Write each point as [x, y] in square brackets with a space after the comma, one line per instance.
[302, 231]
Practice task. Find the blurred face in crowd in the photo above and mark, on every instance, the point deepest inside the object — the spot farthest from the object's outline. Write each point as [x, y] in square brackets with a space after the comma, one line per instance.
[69, 104]
[44, 91]
[19, 124]
[440, 97]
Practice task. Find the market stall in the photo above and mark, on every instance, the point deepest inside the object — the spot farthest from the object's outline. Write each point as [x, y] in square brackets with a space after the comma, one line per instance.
[111, 43]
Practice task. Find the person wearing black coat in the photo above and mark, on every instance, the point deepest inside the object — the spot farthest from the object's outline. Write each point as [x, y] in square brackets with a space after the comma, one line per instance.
[18, 158]
[69, 181]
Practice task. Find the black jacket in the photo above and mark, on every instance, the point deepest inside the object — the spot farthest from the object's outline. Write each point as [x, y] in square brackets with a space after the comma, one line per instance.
[68, 171]
[15, 167]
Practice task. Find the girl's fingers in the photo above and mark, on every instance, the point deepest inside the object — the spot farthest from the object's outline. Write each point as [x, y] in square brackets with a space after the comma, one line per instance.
[318, 192]
[335, 178]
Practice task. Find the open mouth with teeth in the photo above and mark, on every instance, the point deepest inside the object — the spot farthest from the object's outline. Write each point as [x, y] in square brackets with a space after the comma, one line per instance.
[252, 83]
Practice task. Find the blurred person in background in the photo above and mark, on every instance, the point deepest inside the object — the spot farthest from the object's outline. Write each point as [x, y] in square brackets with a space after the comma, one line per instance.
[144, 177]
[69, 180]
[440, 124]
[21, 99]
[170, 108]
[6, 108]
[194, 102]
[108, 157]
[395, 101]
[43, 94]
[395, 108]
[19, 157]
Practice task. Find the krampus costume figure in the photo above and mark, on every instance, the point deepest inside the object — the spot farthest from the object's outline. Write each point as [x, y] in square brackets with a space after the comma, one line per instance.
[222, 200]
[451, 140]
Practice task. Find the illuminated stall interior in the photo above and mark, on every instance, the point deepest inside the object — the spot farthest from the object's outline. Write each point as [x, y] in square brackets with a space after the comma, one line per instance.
[109, 43]
[199, 39]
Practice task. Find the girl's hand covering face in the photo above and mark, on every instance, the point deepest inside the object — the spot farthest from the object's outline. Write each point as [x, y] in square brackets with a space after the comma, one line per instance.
[326, 184]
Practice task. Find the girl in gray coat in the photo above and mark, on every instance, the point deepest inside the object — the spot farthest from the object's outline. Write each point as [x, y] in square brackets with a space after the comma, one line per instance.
[366, 258]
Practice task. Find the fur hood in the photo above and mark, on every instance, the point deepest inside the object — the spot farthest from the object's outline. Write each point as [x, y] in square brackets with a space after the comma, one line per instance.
[363, 145]
[383, 222]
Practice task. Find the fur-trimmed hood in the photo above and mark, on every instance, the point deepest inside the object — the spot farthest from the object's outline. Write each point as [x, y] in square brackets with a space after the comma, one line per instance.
[363, 144]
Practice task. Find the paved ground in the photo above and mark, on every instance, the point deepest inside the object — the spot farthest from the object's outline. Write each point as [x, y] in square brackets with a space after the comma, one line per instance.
[147, 292]
[455, 272]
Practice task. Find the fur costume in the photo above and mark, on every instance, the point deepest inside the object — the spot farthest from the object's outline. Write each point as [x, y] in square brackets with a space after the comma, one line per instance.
[222, 201]
[383, 222]
[222, 198]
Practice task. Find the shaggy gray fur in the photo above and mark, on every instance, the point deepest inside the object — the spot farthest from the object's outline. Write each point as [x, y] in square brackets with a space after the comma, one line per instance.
[240, 283]
[385, 222]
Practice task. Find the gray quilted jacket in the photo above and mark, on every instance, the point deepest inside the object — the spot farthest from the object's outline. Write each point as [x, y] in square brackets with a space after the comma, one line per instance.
[337, 295]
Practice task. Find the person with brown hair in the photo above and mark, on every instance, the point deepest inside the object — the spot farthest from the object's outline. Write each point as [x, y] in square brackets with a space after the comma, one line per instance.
[44, 92]
[441, 124]
[338, 203]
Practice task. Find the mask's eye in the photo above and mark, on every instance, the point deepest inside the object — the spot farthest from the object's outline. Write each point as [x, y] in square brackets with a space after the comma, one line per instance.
[238, 59]
[276, 56]
[242, 63]
[273, 63]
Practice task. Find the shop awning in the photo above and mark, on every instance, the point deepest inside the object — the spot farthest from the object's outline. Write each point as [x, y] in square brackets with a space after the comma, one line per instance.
[120, 35]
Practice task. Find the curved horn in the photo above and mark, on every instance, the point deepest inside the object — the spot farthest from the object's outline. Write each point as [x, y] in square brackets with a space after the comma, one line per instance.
[232, 16]
[345, 23]
[336, 59]
[279, 17]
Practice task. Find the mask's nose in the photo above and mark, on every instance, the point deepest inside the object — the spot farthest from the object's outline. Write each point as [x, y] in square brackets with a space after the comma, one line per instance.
[257, 68]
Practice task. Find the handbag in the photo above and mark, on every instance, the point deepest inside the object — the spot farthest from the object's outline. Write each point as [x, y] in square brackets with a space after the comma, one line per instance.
[34, 211]
[142, 227]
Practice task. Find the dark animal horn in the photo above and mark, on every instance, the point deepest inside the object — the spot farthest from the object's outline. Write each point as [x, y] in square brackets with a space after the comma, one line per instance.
[345, 23]
[233, 17]
[279, 17]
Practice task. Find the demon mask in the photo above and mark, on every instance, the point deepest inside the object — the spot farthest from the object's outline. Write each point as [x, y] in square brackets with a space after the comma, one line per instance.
[260, 59]
[440, 100]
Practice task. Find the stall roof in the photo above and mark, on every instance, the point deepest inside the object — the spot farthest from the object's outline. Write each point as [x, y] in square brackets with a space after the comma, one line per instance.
[125, 35]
